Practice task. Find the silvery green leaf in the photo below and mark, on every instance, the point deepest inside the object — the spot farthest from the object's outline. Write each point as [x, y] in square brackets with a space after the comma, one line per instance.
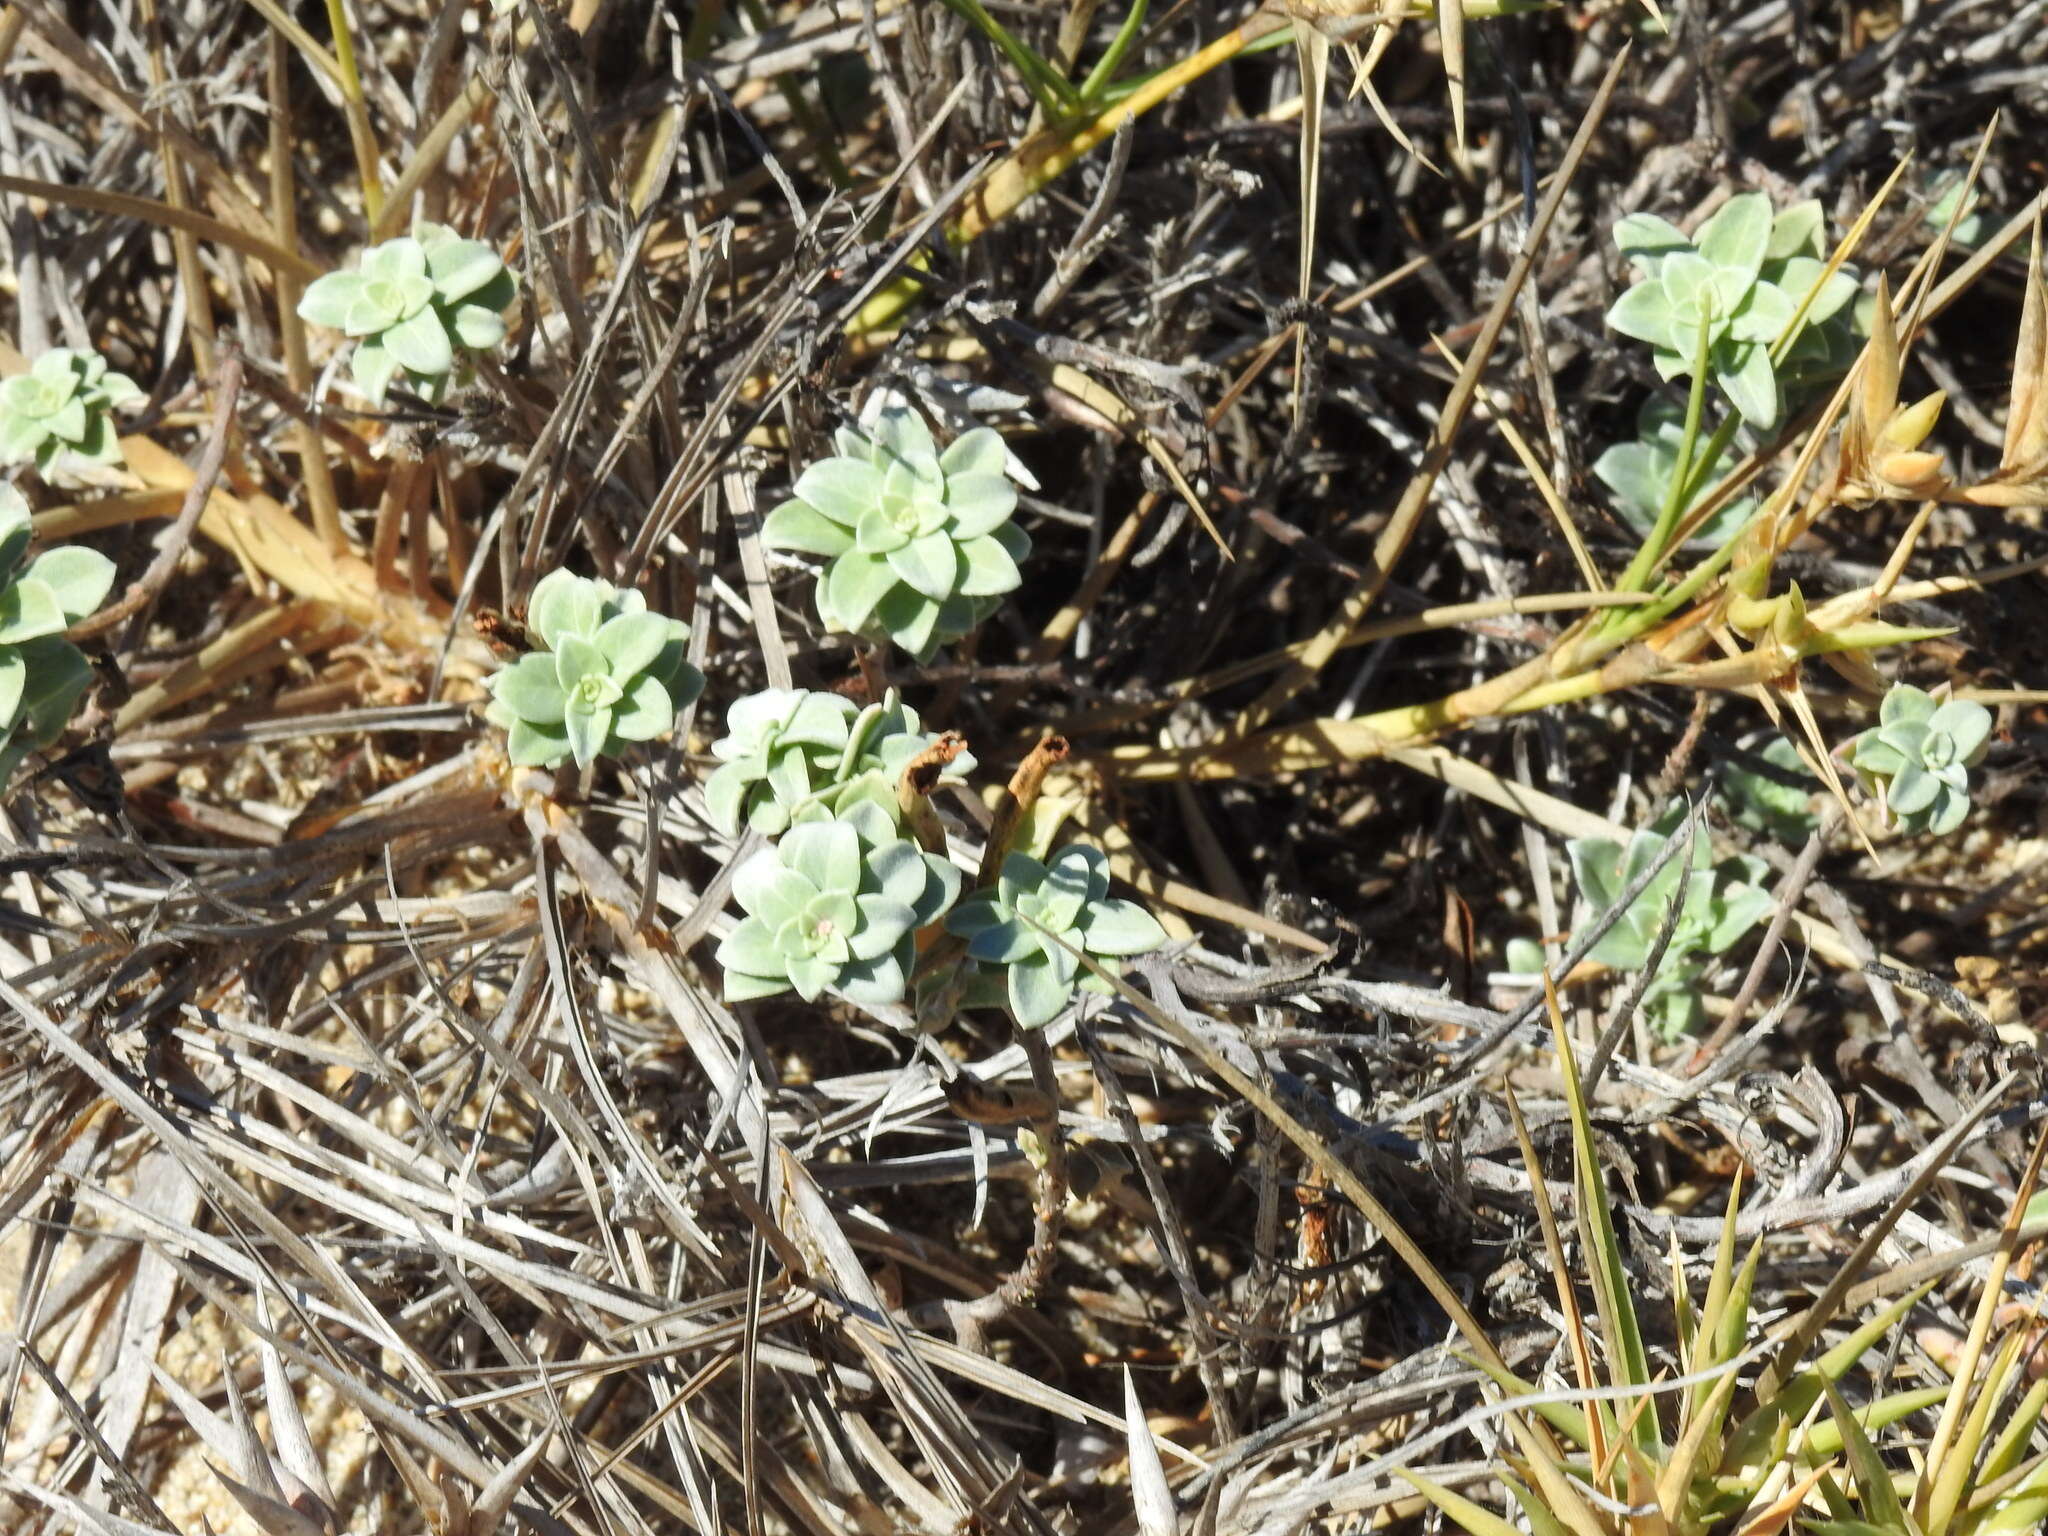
[1007, 942]
[1639, 476]
[1037, 991]
[1118, 927]
[841, 489]
[117, 390]
[1740, 908]
[13, 676]
[330, 300]
[1645, 240]
[374, 368]
[529, 688]
[932, 565]
[901, 434]
[587, 730]
[1967, 725]
[1738, 235]
[801, 527]
[1749, 383]
[725, 797]
[563, 604]
[631, 641]
[69, 421]
[979, 452]
[399, 262]
[645, 712]
[1644, 312]
[460, 267]
[989, 570]
[78, 578]
[819, 719]
[477, 328]
[976, 915]
[911, 619]
[1596, 867]
[877, 533]
[825, 853]
[20, 437]
[741, 987]
[1948, 813]
[575, 659]
[1801, 275]
[28, 610]
[531, 744]
[897, 871]
[1904, 703]
[97, 444]
[1764, 315]
[883, 920]
[1797, 231]
[979, 503]
[750, 949]
[58, 675]
[421, 344]
[941, 889]
[1912, 790]
[852, 587]
[880, 982]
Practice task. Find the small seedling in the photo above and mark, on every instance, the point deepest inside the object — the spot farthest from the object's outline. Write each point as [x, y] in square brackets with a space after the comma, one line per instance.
[1030, 929]
[1741, 281]
[1917, 759]
[1775, 797]
[63, 406]
[1720, 904]
[419, 304]
[42, 675]
[835, 907]
[612, 674]
[919, 543]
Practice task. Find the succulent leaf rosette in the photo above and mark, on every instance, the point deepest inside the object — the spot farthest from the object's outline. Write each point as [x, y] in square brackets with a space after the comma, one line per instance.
[791, 755]
[1722, 902]
[42, 675]
[612, 674]
[781, 746]
[834, 907]
[418, 304]
[919, 543]
[1030, 925]
[1919, 755]
[1742, 277]
[62, 406]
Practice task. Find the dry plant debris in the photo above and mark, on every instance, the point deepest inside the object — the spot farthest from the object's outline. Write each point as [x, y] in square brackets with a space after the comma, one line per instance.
[1237, 502]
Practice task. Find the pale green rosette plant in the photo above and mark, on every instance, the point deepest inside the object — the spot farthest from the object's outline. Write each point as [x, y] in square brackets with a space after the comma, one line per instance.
[880, 745]
[1029, 931]
[1775, 797]
[781, 747]
[1722, 902]
[835, 907]
[64, 405]
[1640, 475]
[1742, 277]
[419, 304]
[1918, 757]
[790, 755]
[42, 675]
[612, 674]
[919, 544]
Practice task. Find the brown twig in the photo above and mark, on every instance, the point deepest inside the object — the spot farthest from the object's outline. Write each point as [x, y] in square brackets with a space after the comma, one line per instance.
[135, 604]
